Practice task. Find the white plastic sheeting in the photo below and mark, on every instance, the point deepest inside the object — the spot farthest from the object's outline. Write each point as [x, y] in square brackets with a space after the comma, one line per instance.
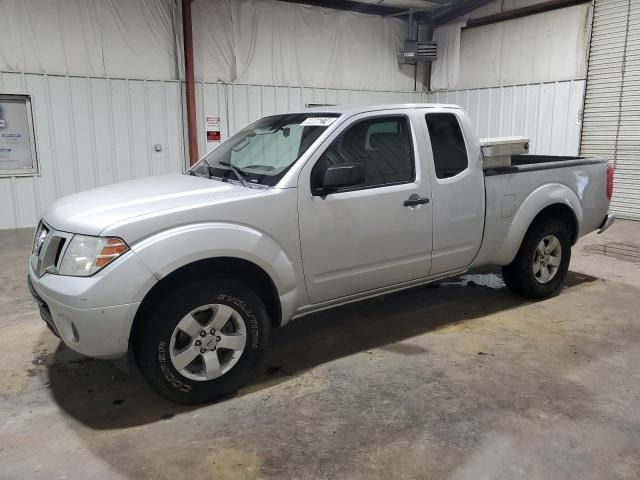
[278, 43]
[108, 38]
[545, 47]
[446, 69]
[247, 41]
[547, 113]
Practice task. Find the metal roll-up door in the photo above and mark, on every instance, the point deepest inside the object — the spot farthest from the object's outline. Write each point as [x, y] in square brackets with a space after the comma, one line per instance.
[611, 118]
[626, 199]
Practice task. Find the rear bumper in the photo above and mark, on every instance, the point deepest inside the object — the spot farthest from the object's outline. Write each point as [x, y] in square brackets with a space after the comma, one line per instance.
[607, 222]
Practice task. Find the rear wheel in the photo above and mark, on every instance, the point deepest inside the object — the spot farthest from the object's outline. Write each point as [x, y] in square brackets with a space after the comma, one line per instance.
[542, 261]
[202, 342]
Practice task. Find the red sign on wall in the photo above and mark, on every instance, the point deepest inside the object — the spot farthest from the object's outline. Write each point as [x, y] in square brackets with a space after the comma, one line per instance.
[212, 127]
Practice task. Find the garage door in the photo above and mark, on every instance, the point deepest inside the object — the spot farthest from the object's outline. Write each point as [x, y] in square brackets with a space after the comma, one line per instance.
[611, 122]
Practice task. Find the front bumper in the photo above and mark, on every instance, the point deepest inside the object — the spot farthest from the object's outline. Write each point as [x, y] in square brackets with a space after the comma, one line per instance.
[607, 222]
[93, 315]
[45, 313]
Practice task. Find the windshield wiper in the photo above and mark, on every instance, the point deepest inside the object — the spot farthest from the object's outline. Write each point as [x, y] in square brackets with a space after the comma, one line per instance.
[208, 167]
[238, 173]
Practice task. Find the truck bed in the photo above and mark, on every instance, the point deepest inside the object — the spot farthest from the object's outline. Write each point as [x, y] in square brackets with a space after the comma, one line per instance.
[508, 190]
[527, 163]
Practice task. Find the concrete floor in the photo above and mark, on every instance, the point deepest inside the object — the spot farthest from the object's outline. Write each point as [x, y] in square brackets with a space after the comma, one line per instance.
[458, 381]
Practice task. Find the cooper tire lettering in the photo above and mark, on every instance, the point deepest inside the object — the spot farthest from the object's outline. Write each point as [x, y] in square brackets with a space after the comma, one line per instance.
[168, 375]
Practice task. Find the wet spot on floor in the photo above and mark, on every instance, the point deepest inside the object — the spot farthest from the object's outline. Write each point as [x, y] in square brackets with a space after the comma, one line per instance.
[487, 280]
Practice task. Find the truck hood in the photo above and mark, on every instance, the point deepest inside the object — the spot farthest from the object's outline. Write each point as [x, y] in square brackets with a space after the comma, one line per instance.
[92, 211]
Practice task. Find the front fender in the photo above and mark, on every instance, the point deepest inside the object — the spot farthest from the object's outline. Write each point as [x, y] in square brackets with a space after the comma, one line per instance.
[167, 251]
[540, 198]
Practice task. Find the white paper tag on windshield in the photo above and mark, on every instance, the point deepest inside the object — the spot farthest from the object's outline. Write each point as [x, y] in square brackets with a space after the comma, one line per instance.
[318, 121]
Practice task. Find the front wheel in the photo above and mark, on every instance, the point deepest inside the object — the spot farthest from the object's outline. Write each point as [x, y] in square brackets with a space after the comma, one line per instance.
[203, 341]
[542, 261]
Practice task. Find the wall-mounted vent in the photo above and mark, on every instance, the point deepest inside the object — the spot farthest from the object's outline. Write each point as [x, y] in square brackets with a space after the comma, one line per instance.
[415, 51]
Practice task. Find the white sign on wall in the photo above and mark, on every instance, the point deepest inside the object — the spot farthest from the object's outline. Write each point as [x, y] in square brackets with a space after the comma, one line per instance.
[17, 144]
[212, 127]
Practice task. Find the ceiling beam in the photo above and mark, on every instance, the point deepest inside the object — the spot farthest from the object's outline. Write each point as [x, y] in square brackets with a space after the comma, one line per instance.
[523, 12]
[359, 7]
[438, 10]
[439, 2]
[443, 15]
[410, 11]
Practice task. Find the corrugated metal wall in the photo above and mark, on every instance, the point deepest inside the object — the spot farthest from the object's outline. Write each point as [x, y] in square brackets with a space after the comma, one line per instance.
[95, 131]
[547, 113]
[90, 132]
[240, 104]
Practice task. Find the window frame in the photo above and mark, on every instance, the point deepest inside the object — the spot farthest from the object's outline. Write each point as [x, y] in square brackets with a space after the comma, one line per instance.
[318, 193]
[433, 156]
[34, 170]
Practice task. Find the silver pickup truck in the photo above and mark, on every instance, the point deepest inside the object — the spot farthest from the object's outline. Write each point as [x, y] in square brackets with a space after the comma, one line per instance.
[296, 213]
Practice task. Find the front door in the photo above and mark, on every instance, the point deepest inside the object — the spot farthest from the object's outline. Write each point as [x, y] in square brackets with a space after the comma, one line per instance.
[367, 236]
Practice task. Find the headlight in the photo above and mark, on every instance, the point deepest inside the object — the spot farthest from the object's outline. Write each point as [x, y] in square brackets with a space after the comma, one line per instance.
[38, 239]
[86, 255]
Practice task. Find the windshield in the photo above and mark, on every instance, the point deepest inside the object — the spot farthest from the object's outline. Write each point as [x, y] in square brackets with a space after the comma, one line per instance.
[262, 152]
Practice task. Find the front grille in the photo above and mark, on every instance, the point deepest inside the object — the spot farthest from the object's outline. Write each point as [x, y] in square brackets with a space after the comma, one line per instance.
[57, 258]
[49, 253]
[48, 246]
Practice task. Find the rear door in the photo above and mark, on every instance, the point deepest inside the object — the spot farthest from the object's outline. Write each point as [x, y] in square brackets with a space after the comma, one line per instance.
[362, 238]
[457, 185]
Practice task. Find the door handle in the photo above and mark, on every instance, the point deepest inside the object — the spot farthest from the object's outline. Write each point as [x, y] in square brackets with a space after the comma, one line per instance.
[414, 200]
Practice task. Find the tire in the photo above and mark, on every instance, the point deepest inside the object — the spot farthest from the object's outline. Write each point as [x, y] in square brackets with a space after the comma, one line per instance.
[190, 322]
[521, 275]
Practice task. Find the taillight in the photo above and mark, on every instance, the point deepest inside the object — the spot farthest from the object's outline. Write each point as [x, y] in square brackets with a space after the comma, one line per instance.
[609, 181]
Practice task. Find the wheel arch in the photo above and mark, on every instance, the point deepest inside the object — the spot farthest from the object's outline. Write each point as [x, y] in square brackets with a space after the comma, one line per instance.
[235, 268]
[564, 213]
[548, 201]
[167, 252]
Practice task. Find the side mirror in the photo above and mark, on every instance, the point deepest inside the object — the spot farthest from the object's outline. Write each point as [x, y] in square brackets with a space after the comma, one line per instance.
[343, 175]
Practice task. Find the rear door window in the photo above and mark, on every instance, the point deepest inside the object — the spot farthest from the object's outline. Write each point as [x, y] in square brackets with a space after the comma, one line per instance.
[447, 143]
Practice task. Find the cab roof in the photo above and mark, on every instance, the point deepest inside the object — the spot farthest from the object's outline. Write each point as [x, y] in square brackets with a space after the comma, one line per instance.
[355, 109]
